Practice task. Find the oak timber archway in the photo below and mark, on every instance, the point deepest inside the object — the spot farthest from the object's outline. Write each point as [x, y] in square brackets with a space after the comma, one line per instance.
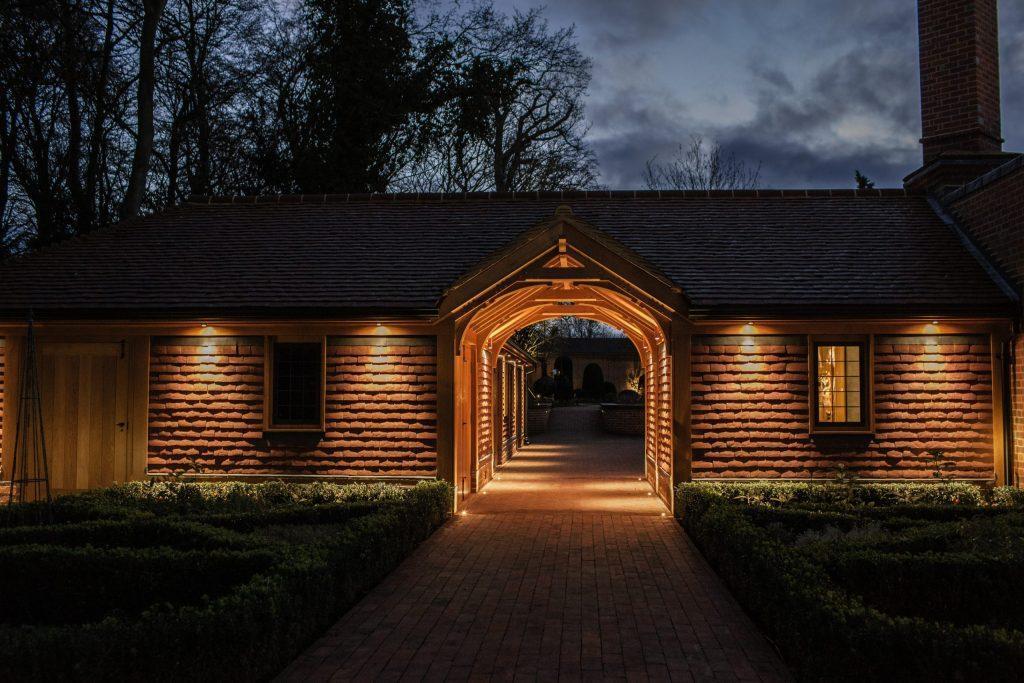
[564, 267]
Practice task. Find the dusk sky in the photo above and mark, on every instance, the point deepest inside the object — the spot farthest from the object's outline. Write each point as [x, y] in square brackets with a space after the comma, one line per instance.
[811, 89]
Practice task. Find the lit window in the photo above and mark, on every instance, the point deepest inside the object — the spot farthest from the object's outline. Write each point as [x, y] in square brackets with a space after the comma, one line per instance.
[297, 375]
[841, 385]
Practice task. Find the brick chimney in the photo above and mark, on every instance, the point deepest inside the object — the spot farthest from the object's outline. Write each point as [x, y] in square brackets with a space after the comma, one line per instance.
[960, 123]
[959, 47]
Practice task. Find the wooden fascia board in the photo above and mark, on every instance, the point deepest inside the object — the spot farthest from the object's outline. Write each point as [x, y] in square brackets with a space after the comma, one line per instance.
[908, 326]
[601, 263]
[100, 331]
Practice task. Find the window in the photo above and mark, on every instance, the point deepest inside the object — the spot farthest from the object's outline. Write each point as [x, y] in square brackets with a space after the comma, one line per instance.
[296, 384]
[841, 397]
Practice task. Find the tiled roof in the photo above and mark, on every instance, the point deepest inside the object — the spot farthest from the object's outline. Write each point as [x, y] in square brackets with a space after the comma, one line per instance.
[785, 251]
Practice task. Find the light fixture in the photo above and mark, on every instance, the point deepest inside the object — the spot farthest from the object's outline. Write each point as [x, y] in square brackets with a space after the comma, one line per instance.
[203, 325]
[935, 322]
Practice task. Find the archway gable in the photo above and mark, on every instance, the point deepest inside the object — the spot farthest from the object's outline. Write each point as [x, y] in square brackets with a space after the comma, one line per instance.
[601, 257]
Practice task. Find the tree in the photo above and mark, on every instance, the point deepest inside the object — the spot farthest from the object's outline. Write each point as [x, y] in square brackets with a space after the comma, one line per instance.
[63, 99]
[701, 166]
[206, 76]
[593, 381]
[583, 328]
[863, 182]
[515, 121]
[146, 83]
[371, 94]
[535, 339]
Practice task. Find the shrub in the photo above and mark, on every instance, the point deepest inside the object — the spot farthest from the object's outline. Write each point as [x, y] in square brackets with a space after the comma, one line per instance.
[1008, 496]
[832, 495]
[988, 590]
[825, 630]
[629, 397]
[266, 599]
[57, 585]
[172, 497]
[544, 387]
[135, 533]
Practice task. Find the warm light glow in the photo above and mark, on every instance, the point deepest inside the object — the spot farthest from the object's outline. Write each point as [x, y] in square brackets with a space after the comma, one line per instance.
[380, 329]
[932, 327]
[839, 383]
[749, 328]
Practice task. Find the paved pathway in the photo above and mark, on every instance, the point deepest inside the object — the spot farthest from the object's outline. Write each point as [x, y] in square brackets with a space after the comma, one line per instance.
[525, 587]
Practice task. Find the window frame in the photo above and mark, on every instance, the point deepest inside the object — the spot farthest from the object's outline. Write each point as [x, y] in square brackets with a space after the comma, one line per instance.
[268, 384]
[866, 425]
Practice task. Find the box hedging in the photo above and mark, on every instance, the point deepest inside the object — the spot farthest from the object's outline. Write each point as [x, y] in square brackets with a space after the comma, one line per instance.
[826, 632]
[276, 590]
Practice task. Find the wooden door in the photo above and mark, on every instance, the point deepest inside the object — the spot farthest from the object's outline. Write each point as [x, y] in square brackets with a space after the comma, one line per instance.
[84, 395]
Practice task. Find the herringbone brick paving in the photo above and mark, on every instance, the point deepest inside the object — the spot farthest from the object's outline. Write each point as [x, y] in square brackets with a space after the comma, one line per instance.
[548, 595]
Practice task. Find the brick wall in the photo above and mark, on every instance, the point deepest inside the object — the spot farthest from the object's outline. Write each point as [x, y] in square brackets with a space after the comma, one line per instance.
[994, 214]
[206, 406]
[623, 419]
[959, 52]
[750, 410]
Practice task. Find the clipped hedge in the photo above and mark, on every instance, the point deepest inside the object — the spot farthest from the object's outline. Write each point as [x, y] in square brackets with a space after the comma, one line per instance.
[965, 588]
[48, 585]
[824, 631]
[833, 495]
[293, 580]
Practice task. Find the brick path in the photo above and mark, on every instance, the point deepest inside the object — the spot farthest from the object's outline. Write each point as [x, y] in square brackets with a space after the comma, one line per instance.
[513, 592]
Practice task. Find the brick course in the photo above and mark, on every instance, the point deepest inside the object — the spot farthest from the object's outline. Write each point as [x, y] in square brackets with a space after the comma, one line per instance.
[206, 405]
[750, 410]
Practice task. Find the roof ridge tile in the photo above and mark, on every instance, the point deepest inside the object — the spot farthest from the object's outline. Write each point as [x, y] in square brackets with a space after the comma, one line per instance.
[541, 195]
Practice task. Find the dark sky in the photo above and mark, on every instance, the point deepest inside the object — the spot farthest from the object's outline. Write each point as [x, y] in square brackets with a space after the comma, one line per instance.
[811, 89]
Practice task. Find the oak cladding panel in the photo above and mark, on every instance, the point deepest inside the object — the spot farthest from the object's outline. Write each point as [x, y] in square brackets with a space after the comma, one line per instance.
[3, 366]
[206, 409]
[750, 410]
[1017, 389]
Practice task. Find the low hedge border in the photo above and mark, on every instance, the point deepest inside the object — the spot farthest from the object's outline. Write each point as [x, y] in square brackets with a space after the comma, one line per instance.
[256, 628]
[824, 632]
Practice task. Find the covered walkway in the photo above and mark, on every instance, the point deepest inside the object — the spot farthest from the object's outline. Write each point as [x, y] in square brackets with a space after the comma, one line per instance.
[574, 466]
[565, 569]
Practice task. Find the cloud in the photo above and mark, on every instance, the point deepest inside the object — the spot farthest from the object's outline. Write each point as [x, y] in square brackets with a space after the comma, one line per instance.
[809, 121]
[810, 88]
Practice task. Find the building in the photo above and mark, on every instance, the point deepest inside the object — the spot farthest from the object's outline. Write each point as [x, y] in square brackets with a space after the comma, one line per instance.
[782, 333]
[615, 360]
